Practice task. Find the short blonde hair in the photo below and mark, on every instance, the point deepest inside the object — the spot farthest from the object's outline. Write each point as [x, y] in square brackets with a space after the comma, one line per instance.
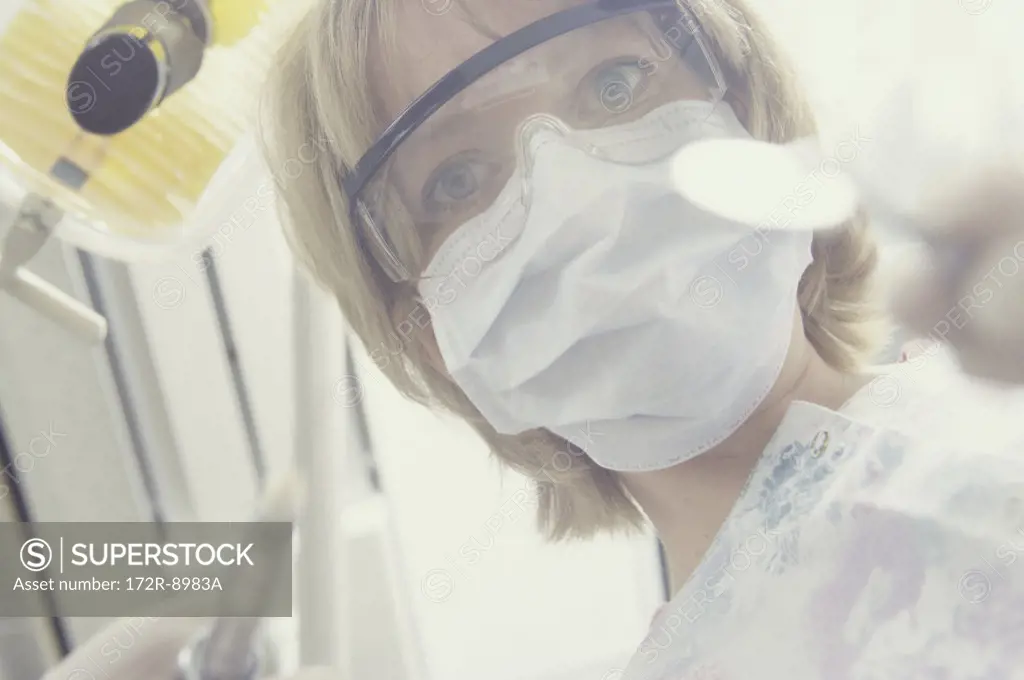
[321, 93]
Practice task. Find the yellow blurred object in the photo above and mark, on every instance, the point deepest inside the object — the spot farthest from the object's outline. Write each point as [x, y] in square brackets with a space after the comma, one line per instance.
[143, 183]
[233, 19]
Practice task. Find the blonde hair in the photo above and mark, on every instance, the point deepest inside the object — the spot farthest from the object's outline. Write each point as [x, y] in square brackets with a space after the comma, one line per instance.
[321, 94]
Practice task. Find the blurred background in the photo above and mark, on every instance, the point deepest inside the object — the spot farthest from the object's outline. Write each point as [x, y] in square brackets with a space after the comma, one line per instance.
[221, 364]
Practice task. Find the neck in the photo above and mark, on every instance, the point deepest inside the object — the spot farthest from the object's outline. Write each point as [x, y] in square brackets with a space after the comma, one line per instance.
[687, 503]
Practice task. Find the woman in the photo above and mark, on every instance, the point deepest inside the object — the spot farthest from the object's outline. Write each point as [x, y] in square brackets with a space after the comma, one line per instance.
[834, 332]
[506, 242]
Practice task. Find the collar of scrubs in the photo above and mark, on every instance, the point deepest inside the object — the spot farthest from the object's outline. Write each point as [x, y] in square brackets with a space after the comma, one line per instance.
[794, 470]
[852, 548]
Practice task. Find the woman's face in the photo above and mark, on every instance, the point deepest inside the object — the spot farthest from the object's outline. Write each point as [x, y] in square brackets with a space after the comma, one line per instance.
[456, 163]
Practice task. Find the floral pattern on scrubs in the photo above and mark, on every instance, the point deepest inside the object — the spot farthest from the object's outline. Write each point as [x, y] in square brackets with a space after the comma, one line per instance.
[876, 542]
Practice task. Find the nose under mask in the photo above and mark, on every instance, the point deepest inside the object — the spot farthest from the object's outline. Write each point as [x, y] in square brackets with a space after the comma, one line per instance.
[612, 311]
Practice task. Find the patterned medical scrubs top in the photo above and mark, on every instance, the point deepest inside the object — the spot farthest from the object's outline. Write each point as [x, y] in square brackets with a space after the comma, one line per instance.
[883, 541]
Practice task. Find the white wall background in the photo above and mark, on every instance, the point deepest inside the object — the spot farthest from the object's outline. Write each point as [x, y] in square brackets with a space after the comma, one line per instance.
[850, 53]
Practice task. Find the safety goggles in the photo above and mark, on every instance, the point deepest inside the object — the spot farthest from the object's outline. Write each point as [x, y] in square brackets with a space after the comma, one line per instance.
[450, 154]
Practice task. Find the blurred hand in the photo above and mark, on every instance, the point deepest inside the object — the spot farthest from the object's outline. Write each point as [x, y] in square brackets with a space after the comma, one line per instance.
[143, 649]
[972, 294]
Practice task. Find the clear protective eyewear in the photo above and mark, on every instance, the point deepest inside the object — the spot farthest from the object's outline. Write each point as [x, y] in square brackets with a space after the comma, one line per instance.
[450, 155]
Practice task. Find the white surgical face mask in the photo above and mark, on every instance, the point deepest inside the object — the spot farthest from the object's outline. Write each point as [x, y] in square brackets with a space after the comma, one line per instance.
[594, 301]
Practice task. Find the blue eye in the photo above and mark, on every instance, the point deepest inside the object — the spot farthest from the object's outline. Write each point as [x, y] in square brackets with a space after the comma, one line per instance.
[616, 86]
[457, 181]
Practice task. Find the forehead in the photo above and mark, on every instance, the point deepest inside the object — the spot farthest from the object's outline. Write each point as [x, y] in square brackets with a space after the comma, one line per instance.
[431, 37]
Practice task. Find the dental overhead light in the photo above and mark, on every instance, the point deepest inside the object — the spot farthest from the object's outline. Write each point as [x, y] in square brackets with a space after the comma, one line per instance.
[115, 118]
